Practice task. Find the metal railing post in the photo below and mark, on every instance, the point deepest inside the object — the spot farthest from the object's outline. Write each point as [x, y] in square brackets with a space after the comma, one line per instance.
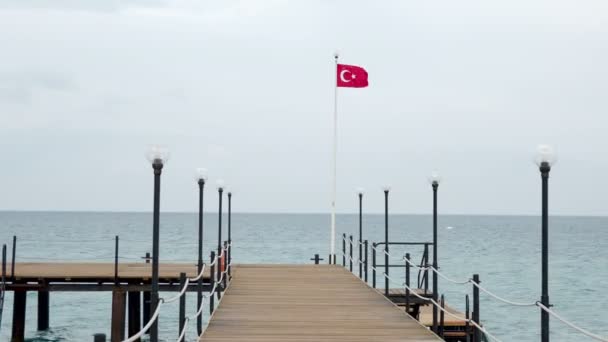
[225, 270]
[211, 281]
[374, 265]
[182, 306]
[344, 250]
[116, 260]
[351, 253]
[467, 327]
[477, 333]
[14, 253]
[366, 263]
[442, 317]
[407, 283]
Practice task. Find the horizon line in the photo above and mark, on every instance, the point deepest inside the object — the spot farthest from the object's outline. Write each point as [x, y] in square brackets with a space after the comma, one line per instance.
[285, 213]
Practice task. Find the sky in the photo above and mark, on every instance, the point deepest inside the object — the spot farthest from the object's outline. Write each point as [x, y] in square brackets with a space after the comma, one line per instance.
[245, 88]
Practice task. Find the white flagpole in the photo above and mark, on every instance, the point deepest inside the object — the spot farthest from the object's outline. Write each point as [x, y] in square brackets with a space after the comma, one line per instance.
[332, 248]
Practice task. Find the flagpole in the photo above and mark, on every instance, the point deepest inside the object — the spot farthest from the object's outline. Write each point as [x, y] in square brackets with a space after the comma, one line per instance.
[332, 246]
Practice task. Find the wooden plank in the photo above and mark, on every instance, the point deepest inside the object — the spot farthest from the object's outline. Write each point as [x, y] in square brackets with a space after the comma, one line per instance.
[426, 316]
[307, 303]
[76, 270]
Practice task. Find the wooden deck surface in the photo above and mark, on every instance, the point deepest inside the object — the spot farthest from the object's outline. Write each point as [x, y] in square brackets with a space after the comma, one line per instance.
[290, 303]
[426, 316]
[73, 271]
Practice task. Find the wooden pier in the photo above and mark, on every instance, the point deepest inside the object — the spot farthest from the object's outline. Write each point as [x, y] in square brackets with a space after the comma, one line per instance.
[307, 303]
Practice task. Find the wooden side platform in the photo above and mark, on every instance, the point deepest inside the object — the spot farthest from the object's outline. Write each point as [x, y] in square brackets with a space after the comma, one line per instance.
[291, 303]
[75, 271]
[455, 329]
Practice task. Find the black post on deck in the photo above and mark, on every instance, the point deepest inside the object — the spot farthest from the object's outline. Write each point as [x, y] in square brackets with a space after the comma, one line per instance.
[361, 234]
[229, 250]
[374, 264]
[182, 307]
[351, 253]
[407, 283]
[157, 165]
[435, 185]
[43, 307]
[426, 268]
[386, 261]
[116, 260]
[211, 281]
[146, 299]
[442, 318]
[477, 333]
[199, 291]
[14, 253]
[220, 191]
[344, 249]
[366, 264]
[134, 313]
[316, 259]
[225, 271]
[467, 327]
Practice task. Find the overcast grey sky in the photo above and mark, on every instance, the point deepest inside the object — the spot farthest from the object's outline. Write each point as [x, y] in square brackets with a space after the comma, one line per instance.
[245, 89]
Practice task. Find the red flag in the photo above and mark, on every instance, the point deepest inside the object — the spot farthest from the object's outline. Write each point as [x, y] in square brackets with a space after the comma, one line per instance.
[351, 76]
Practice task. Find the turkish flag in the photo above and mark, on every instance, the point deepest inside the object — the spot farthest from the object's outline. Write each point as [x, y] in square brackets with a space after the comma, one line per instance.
[351, 76]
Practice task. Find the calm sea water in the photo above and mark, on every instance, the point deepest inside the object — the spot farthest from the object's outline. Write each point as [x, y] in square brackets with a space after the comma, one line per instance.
[504, 250]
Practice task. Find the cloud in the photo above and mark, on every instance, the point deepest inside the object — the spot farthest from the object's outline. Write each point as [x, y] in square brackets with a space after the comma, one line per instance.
[22, 86]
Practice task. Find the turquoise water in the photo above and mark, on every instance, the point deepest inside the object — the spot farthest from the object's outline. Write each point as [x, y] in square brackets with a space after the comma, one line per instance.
[504, 250]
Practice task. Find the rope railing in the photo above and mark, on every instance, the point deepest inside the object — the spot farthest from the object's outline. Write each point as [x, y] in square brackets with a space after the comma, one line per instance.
[201, 307]
[507, 301]
[570, 324]
[182, 291]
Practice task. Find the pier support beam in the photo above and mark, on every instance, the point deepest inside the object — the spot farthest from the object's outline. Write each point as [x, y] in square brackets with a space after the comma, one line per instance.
[118, 315]
[43, 310]
[134, 298]
[19, 301]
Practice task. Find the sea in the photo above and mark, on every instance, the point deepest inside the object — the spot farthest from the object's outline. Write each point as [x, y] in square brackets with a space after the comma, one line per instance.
[504, 250]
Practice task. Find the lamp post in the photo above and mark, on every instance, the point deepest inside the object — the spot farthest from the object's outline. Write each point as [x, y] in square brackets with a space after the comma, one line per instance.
[545, 158]
[360, 193]
[434, 179]
[201, 177]
[220, 191]
[158, 156]
[386, 190]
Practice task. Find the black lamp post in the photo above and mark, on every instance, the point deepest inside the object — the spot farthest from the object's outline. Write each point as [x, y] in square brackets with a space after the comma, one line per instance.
[386, 190]
[201, 175]
[434, 180]
[220, 191]
[545, 158]
[360, 193]
[158, 156]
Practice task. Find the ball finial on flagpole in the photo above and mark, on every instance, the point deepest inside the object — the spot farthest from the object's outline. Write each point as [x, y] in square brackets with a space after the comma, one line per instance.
[336, 54]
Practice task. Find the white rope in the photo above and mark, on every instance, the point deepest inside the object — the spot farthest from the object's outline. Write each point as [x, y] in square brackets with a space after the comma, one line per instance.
[448, 278]
[200, 275]
[570, 324]
[500, 298]
[181, 336]
[449, 313]
[147, 326]
[491, 294]
[179, 295]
